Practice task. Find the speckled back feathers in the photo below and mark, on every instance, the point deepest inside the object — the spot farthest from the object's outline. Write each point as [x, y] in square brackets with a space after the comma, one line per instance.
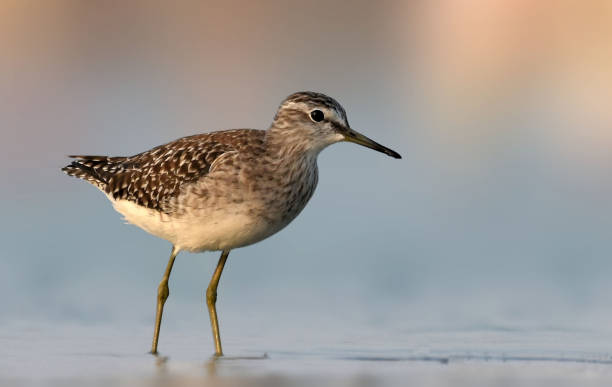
[153, 178]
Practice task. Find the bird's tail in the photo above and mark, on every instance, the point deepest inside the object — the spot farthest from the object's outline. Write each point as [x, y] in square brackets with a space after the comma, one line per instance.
[95, 169]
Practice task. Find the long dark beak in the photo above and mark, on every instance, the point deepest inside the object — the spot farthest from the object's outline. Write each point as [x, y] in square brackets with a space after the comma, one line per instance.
[352, 136]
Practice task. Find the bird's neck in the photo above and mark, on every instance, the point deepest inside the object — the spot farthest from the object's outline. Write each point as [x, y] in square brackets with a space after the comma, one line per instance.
[292, 162]
[290, 145]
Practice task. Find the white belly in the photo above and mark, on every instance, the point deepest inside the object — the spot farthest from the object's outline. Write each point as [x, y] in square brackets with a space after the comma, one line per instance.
[208, 231]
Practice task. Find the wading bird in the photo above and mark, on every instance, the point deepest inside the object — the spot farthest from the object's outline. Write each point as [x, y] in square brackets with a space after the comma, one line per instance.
[223, 190]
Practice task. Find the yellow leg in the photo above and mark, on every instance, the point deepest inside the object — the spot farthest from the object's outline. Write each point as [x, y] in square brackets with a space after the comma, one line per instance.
[162, 295]
[211, 299]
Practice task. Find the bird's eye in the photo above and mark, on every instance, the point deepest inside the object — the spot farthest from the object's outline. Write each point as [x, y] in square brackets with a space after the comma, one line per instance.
[317, 115]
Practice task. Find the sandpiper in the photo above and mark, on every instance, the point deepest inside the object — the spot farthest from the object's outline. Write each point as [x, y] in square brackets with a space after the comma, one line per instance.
[223, 190]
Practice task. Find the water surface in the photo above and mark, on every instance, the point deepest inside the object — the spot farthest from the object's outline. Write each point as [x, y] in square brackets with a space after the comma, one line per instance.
[106, 354]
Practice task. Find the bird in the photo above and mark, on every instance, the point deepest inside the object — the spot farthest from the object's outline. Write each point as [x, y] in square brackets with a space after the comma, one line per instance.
[226, 189]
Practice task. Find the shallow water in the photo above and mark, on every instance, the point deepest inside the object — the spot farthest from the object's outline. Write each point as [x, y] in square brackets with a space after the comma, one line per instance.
[102, 355]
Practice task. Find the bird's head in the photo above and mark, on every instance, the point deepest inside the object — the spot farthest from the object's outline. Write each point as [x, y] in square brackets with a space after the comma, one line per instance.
[321, 121]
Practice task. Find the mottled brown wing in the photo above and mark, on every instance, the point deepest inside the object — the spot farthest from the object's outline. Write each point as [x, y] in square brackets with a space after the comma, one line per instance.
[152, 178]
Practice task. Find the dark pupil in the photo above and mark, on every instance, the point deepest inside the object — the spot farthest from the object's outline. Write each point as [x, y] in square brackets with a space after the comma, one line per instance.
[317, 115]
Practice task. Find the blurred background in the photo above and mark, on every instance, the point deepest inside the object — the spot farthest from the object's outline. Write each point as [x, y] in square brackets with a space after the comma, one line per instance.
[499, 216]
